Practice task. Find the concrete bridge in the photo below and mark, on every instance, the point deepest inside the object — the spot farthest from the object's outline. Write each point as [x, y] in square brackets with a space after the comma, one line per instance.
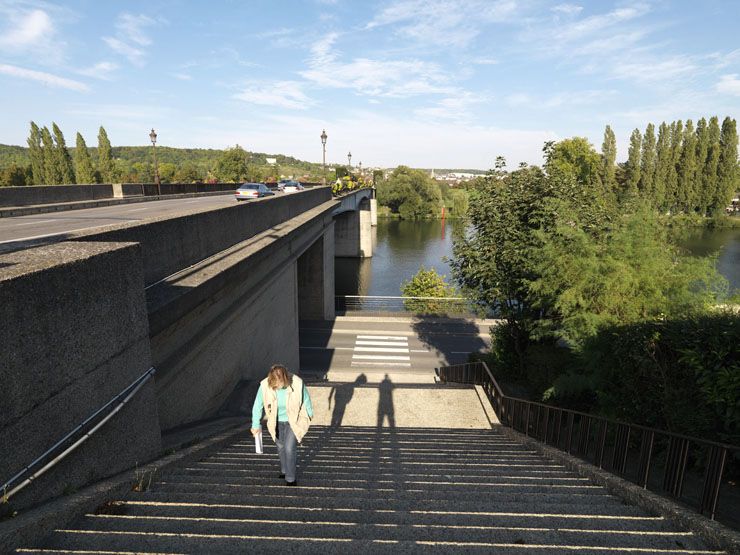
[210, 299]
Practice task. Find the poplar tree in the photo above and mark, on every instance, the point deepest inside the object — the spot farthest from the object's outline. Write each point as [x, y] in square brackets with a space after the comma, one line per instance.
[105, 157]
[52, 175]
[647, 162]
[36, 154]
[608, 159]
[633, 161]
[685, 195]
[709, 173]
[61, 155]
[701, 199]
[671, 185]
[84, 171]
[662, 163]
[727, 167]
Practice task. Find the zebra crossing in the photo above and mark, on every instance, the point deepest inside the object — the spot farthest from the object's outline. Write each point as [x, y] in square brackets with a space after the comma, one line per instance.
[381, 350]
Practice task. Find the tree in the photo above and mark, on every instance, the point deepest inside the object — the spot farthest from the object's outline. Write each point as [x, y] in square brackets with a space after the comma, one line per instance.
[84, 171]
[15, 176]
[671, 184]
[633, 161]
[686, 194]
[61, 155]
[426, 283]
[575, 157]
[36, 154]
[662, 165]
[167, 171]
[701, 199]
[647, 162]
[709, 173]
[727, 170]
[231, 166]
[105, 157]
[52, 171]
[412, 194]
[188, 173]
[608, 159]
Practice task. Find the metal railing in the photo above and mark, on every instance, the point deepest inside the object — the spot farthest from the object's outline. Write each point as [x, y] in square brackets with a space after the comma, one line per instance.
[458, 306]
[62, 448]
[631, 451]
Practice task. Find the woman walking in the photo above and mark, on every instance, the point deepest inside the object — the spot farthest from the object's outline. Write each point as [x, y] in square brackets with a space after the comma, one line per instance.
[287, 405]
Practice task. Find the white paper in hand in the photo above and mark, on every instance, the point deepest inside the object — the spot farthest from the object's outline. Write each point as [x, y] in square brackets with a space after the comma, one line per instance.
[258, 443]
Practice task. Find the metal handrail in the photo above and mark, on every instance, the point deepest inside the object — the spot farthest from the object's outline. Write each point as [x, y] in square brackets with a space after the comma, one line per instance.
[129, 392]
[544, 423]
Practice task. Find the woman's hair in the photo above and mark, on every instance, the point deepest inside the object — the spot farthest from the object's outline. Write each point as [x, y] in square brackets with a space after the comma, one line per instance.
[278, 377]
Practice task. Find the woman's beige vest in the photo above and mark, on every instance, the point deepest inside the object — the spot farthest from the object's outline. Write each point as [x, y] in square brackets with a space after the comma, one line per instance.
[297, 415]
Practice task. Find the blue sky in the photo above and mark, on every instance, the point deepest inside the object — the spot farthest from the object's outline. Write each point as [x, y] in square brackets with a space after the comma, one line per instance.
[428, 83]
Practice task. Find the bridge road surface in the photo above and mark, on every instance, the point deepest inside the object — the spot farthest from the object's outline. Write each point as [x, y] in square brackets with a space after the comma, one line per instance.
[39, 226]
[407, 349]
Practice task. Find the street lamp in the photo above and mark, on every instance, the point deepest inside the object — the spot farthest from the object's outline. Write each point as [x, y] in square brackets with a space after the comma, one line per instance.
[323, 146]
[153, 138]
[349, 159]
[359, 168]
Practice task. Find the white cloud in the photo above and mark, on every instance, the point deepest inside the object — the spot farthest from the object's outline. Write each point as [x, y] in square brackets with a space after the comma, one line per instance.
[48, 79]
[27, 29]
[101, 70]
[282, 94]
[655, 70]
[453, 107]
[729, 84]
[567, 9]
[131, 36]
[182, 76]
[444, 22]
[589, 25]
[390, 78]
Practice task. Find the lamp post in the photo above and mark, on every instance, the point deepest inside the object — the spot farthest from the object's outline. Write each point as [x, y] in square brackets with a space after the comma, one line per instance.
[153, 138]
[349, 159]
[359, 170]
[323, 146]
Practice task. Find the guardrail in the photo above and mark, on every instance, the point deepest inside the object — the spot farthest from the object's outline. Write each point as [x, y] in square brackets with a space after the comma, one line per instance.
[74, 439]
[451, 306]
[664, 462]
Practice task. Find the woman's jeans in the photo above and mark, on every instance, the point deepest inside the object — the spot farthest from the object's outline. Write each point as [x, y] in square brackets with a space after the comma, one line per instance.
[287, 447]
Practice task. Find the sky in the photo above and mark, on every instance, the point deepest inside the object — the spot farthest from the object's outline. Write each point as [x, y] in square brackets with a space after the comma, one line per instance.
[426, 83]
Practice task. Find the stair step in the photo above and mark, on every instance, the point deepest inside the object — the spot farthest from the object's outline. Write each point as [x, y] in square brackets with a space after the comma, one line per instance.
[611, 515]
[523, 532]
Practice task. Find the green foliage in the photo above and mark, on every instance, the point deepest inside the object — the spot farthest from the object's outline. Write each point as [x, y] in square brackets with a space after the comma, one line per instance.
[189, 173]
[574, 157]
[15, 176]
[411, 194]
[36, 155]
[608, 159]
[231, 166]
[647, 162]
[61, 156]
[426, 283]
[682, 375]
[105, 158]
[633, 162]
[727, 168]
[52, 170]
[84, 170]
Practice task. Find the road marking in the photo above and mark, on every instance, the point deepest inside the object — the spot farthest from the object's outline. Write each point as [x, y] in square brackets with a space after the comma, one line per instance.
[380, 350]
[327, 348]
[419, 350]
[379, 357]
[139, 209]
[35, 222]
[403, 364]
[386, 337]
[383, 343]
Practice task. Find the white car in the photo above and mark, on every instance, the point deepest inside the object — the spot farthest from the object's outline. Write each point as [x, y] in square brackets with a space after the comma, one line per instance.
[292, 187]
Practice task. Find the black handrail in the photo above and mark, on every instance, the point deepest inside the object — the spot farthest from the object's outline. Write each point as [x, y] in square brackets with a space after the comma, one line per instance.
[585, 435]
[57, 452]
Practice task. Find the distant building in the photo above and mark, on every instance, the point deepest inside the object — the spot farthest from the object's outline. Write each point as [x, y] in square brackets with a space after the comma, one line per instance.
[271, 161]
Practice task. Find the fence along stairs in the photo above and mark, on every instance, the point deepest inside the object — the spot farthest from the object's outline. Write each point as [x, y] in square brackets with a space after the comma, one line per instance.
[427, 483]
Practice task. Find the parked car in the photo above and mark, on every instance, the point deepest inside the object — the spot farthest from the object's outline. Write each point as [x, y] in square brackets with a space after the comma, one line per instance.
[292, 187]
[248, 191]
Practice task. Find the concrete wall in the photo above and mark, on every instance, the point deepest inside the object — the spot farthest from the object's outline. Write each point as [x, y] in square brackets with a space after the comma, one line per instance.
[74, 335]
[150, 189]
[316, 279]
[170, 244]
[48, 194]
[353, 232]
[228, 320]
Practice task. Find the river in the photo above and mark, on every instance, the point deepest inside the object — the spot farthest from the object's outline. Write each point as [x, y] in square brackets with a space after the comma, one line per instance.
[401, 247]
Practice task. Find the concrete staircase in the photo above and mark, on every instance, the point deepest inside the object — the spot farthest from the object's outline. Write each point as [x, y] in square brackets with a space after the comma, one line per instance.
[371, 489]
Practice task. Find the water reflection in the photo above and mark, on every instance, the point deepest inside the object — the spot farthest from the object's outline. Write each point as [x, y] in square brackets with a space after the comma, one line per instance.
[399, 249]
[705, 242]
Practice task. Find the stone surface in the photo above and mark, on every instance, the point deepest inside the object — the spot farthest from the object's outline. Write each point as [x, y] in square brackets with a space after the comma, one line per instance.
[76, 335]
[46, 194]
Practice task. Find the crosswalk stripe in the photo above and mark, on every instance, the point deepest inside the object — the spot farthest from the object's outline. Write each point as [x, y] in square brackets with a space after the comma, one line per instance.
[379, 357]
[383, 343]
[386, 337]
[404, 364]
[380, 350]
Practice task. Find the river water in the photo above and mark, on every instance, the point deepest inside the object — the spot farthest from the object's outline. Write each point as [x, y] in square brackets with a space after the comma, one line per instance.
[401, 247]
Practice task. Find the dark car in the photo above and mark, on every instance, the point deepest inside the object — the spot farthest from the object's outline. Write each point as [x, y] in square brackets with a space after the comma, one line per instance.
[249, 191]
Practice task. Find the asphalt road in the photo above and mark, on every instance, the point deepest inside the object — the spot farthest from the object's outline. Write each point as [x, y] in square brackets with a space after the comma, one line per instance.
[349, 346]
[37, 226]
